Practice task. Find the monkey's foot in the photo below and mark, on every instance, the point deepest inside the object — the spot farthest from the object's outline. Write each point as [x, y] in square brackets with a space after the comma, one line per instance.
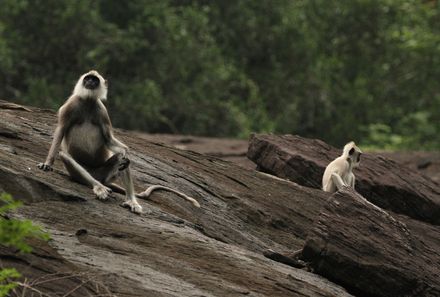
[101, 192]
[133, 205]
[44, 167]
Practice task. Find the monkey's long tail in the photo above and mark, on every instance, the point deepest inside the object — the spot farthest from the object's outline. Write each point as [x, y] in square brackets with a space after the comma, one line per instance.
[150, 189]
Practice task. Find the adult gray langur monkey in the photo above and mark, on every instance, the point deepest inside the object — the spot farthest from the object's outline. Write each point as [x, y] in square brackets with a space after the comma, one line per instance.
[90, 152]
[339, 172]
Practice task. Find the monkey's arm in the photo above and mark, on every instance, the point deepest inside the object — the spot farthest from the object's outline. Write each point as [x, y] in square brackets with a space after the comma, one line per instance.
[113, 144]
[117, 147]
[337, 180]
[353, 180]
[54, 148]
[64, 123]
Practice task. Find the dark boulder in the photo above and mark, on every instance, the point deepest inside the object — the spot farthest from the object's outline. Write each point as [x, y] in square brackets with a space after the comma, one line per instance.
[371, 252]
[382, 181]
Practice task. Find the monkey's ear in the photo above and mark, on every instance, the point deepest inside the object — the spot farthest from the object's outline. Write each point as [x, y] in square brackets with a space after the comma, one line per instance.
[106, 83]
[351, 151]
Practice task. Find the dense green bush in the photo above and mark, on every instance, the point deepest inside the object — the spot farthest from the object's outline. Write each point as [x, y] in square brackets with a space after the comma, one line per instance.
[365, 70]
[14, 232]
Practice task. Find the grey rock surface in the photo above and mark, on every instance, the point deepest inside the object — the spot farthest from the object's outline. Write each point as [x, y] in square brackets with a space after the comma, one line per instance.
[100, 248]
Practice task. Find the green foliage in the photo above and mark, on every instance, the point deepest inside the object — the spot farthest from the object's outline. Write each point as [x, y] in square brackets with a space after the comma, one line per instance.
[380, 136]
[14, 233]
[6, 285]
[336, 70]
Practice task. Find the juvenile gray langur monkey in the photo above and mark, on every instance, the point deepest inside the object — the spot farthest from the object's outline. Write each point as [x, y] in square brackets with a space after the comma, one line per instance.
[89, 151]
[339, 172]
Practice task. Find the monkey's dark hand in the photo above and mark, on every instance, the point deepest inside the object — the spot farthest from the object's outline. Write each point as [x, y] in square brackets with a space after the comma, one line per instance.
[124, 163]
[45, 167]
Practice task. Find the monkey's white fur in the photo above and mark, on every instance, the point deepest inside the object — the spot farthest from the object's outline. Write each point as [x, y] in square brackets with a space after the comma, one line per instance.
[99, 93]
[339, 172]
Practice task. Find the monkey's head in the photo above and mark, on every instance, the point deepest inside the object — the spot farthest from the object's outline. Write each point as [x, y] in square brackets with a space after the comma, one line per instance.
[91, 85]
[353, 153]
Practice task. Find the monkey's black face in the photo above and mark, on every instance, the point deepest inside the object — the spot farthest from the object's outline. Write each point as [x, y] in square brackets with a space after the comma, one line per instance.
[91, 82]
[354, 156]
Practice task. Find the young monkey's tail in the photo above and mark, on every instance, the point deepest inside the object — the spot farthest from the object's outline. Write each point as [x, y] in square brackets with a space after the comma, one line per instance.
[150, 189]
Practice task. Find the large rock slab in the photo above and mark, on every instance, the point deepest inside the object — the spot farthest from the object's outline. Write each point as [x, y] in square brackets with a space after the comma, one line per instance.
[370, 252]
[381, 180]
[176, 250]
[427, 162]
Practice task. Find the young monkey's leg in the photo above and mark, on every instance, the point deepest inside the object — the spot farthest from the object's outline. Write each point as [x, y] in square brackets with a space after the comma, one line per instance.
[111, 169]
[79, 173]
[117, 165]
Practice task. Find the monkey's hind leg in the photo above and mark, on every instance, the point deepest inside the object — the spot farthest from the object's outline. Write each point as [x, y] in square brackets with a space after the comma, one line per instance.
[79, 173]
[131, 201]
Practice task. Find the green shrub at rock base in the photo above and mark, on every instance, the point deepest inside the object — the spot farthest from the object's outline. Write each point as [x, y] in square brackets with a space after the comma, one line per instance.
[14, 233]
